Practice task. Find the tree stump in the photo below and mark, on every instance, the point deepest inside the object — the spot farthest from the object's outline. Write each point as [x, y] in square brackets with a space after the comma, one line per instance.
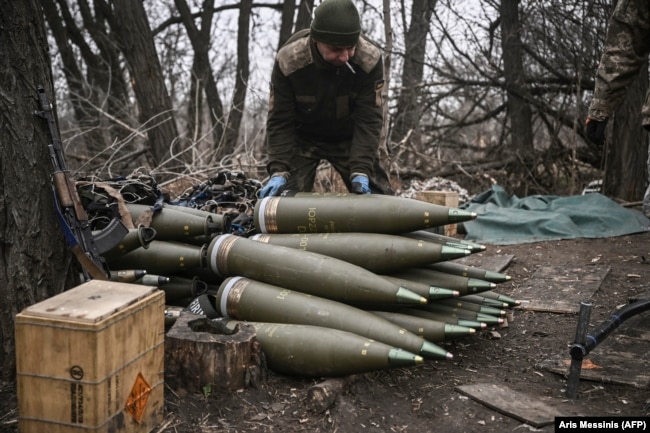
[202, 355]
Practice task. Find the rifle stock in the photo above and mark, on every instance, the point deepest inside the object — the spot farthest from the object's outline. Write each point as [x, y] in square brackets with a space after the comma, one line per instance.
[71, 213]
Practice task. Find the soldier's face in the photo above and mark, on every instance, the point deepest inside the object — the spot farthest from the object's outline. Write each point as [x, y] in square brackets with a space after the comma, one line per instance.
[337, 56]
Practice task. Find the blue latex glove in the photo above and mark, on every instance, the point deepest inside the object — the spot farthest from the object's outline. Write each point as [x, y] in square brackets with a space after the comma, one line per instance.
[274, 186]
[360, 184]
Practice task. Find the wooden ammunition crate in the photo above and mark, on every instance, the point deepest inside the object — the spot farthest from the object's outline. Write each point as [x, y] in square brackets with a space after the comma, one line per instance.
[443, 198]
[91, 359]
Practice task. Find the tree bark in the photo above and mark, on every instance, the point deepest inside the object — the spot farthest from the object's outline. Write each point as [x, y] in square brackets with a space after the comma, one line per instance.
[34, 260]
[201, 356]
[519, 111]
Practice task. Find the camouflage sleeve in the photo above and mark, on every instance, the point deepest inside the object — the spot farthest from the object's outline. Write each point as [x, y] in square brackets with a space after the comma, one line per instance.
[627, 46]
[368, 120]
[280, 125]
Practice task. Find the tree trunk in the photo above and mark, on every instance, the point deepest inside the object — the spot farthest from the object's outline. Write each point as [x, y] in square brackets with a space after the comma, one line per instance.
[241, 82]
[626, 172]
[34, 260]
[131, 26]
[202, 77]
[409, 107]
[286, 21]
[305, 9]
[97, 89]
[106, 72]
[519, 111]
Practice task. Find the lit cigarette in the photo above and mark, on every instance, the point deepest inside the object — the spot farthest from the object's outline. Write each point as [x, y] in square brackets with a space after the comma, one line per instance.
[350, 67]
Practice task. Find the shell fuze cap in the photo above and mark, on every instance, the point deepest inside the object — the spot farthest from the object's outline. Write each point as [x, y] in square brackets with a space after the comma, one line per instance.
[336, 22]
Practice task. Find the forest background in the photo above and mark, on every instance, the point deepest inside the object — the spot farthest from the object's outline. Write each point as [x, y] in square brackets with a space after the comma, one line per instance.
[182, 87]
[483, 92]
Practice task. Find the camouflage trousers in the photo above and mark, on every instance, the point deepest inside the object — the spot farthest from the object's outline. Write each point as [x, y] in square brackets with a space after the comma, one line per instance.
[646, 196]
[308, 154]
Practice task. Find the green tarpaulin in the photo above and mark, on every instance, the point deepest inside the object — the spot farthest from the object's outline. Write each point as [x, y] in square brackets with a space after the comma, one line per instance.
[507, 219]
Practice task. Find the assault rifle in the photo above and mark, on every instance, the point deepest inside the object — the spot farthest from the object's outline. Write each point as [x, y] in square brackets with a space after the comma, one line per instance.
[72, 216]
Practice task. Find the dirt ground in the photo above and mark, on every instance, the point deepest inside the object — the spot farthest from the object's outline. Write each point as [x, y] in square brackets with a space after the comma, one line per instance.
[424, 398]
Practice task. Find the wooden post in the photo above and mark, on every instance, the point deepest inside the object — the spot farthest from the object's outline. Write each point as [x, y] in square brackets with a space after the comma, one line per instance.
[443, 198]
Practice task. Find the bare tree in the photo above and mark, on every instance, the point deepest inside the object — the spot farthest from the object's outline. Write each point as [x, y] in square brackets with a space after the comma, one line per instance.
[305, 10]
[97, 90]
[286, 21]
[519, 111]
[202, 79]
[130, 25]
[34, 261]
[236, 112]
[409, 104]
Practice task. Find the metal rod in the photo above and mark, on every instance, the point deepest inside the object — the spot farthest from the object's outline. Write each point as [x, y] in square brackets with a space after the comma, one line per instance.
[577, 350]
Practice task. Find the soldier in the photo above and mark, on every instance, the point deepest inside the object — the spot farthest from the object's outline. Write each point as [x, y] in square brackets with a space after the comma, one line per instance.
[626, 51]
[326, 104]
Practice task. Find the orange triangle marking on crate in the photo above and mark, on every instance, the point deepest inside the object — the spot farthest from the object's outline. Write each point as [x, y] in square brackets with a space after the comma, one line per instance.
[137, 401]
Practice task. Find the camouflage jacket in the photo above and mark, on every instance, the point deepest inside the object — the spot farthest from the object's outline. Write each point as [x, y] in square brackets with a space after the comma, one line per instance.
[315, 100]
[627, 47]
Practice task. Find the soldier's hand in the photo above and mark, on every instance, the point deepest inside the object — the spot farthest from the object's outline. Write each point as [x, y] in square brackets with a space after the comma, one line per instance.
[596, 130]
[274, 186]
[360, 184]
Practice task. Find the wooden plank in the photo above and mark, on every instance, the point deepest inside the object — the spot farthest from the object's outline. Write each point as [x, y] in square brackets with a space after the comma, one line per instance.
[442, 198]
[90, 302]
[560, 289]
[512, 403]
[619, 359]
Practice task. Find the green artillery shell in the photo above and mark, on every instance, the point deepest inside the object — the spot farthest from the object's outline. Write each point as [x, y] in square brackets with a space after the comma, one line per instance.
[423, 289]
[221, 221]
[463, 314]
[465, 286]
[128, 275]
[315, 351]
[175, 225]
[245, 299]
[499, 297]
[481, 300]
[431, 330]
[373, 251]
[370, 213]
[426, 235]
[456, 268]
[181, 287]
[312, 273]
[469, 306]
[135, 238]
[162, 257]
[152, 280]
[172, 313]
[446, 318]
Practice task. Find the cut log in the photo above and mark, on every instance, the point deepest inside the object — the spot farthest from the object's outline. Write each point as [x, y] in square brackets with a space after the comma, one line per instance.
[322, 396]
[202, 356]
